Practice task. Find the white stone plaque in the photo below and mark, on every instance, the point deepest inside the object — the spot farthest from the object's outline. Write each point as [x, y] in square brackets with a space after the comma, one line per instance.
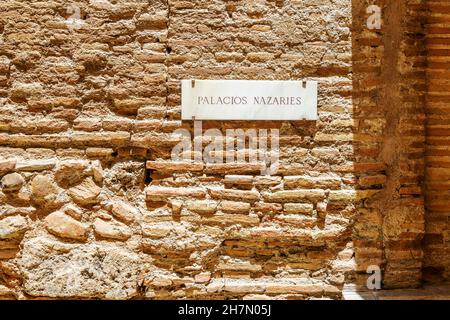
[249, 100]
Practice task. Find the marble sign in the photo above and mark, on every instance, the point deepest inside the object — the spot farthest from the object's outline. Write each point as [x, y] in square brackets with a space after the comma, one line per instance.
[249, 100]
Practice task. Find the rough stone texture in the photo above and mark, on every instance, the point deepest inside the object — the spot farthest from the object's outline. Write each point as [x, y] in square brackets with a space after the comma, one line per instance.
[58, 270]
[12, 182]
[86, 193]
[12, 227]
[437, 229]
[7, 166]
[87, 116]
[112, 230]
[123, 210]
[64, 226]
[42, 187]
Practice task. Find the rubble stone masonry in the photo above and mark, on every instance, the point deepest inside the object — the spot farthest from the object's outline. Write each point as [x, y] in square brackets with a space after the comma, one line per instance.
[92, 206]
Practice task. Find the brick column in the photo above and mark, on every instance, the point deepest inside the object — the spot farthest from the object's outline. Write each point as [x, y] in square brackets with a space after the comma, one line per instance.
[389, 84]
[437, 232]
[402, 99]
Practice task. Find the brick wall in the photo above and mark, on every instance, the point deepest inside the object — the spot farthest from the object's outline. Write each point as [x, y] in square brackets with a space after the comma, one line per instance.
[93, 207]
[436, 241]
[388, 96]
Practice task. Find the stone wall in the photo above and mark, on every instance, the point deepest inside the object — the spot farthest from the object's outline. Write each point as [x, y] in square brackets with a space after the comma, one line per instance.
[92, 206]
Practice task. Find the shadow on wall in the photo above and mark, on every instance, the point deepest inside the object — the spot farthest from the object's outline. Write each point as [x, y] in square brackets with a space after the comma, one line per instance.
[389, 85]
[437, 233]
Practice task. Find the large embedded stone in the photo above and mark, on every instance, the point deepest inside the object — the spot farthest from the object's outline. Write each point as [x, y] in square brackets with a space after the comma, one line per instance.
[12, 182]
[112, 230]
[97, 171]
[41, 187]
[85, 193]
[64, 226]
[123, 210]
[7, 166]
[36, 165]
[73, 211]
[71, 172]
[13, 227]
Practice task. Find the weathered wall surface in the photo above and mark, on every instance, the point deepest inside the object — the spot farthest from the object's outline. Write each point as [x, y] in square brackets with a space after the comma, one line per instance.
[437, 237]
[389, 87]
[92, 206]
